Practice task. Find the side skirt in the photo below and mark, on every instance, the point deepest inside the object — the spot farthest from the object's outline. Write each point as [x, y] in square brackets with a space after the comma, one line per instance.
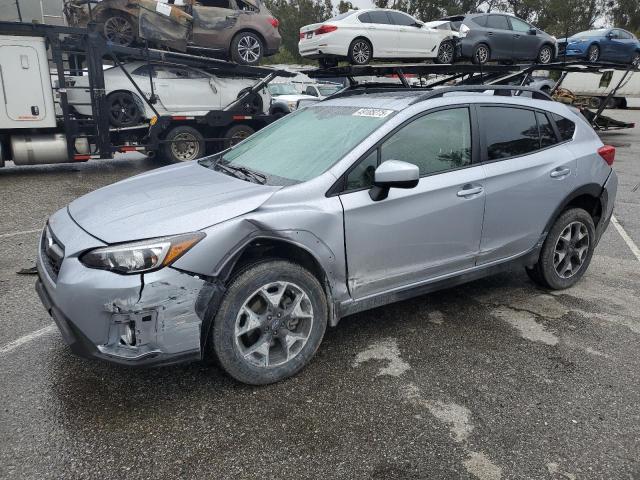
[350, 307]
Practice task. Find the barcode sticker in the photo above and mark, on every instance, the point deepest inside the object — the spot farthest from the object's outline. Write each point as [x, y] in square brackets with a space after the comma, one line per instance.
[372, 112]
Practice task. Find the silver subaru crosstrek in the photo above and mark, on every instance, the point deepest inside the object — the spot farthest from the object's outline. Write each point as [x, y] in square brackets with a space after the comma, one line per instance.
[352, 203]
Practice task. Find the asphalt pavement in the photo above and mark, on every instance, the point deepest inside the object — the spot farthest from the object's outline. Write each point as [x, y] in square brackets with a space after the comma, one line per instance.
[496, 379]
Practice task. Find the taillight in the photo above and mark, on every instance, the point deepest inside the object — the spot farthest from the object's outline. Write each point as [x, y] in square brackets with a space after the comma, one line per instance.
[301, 35]
[325, 29]
[608, 154]
[274, 22]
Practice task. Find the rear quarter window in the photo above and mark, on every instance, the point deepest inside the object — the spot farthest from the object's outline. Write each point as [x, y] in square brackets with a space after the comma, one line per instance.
[566, 127]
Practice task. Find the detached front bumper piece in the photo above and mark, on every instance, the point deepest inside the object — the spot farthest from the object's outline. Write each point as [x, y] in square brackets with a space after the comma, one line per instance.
[155, 318]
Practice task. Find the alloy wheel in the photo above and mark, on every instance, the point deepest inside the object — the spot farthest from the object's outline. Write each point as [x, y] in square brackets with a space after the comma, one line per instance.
[123, 110]
[571, 250]
[118, 30]
[445, 52]
[545, 55]
[594, 53]
[482, 54]
[273, 324]
[185, 147]
[361, 52]
[249, 49]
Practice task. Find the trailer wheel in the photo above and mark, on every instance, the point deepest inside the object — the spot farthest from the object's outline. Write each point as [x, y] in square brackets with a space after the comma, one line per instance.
[237, 133]
[183, 144]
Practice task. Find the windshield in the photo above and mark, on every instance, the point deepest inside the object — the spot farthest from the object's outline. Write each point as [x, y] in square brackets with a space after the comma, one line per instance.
[282, 89]
[591, 33]
[326, 90]
[304, 144]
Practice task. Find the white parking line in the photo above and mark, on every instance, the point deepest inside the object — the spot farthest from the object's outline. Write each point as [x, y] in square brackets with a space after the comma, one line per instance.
[21, 232]
[9, 347]
[627, 239]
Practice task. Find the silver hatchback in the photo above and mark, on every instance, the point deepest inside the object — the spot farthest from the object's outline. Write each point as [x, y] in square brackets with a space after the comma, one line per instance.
[352, 203]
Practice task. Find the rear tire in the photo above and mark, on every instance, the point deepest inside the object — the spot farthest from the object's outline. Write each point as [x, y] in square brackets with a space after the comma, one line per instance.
[481, 54]
[446, 52]
[183, 144]
[247, 48]
[360, 52]
[258, 335]
[635, 59]
[566, 252]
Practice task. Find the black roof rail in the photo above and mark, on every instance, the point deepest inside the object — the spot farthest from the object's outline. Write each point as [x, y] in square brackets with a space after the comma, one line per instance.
[439, 92]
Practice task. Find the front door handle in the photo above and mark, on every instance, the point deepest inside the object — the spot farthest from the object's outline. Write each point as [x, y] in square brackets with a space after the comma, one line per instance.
[560, 172]
[469, 190]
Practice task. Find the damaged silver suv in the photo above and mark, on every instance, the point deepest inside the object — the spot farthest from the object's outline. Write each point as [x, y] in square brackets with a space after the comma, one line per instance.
[351, 203]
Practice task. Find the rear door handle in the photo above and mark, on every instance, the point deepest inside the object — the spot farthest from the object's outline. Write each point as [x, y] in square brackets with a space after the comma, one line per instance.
[469, 190]
[560, 172]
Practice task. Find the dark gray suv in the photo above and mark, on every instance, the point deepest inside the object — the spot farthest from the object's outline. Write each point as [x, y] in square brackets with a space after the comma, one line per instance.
[497, 36]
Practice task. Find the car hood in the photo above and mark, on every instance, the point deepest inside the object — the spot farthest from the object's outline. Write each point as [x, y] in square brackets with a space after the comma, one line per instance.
[167, 201]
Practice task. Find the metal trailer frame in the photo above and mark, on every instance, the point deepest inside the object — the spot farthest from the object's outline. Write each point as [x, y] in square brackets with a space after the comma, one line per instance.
[72, 46]
[470, 74]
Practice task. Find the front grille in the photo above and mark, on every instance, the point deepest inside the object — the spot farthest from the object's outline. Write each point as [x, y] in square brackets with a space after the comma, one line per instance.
[52, 253]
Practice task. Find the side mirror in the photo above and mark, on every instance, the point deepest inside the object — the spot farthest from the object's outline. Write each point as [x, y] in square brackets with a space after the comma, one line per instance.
[533, 31]
[393, 174]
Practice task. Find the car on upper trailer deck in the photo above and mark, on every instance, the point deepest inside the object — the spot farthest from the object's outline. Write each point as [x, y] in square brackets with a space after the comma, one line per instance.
[603, 44]
[360, 36]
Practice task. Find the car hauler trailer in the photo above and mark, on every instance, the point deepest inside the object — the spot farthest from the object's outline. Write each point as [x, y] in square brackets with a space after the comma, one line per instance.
[38, 124]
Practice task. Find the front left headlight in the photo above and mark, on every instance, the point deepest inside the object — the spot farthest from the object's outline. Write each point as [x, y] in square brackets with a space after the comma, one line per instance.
[292, 105]
[142, 256]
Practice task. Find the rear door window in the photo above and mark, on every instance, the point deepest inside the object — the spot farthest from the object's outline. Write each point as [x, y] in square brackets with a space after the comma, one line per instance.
[498, 22]
[364, 18]
[379, 17]
[565, 126]
[509, 132]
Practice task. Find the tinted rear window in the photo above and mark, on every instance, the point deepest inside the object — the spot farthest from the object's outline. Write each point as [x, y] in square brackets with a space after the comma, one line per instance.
[498, 22]
[565, 126]
[510, 132]
[481, 21]
[364, 17]
[379, 17]
[547, 135]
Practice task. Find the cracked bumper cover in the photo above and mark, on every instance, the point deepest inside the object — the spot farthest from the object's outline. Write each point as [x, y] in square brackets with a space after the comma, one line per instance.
[165, 310]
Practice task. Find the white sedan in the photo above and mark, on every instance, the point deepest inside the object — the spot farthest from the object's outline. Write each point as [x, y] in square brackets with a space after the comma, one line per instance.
[178, 89]
[362, 35]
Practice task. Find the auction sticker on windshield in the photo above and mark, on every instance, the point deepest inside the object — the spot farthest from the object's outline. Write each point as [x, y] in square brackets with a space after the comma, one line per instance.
[372, 112]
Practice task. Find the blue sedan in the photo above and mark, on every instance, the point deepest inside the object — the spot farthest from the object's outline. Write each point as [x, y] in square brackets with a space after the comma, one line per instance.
[604, 44]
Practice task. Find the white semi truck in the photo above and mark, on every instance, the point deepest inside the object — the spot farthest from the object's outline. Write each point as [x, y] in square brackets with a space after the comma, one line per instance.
[595, 87]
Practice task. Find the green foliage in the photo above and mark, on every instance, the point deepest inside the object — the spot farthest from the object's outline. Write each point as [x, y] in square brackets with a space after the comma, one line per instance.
[292, 15]
[626, 14]
[345, 6]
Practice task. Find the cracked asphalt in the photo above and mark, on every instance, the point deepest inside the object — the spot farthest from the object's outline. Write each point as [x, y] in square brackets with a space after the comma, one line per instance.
[496, 379]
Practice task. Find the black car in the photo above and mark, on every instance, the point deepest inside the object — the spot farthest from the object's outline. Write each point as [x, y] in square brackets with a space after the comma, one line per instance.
[502, 37]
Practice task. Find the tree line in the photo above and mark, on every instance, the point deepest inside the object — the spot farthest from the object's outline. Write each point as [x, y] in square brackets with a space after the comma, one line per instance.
[557, 17]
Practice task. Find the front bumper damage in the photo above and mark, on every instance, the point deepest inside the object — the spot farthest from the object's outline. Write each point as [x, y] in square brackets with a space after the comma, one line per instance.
[156, 318]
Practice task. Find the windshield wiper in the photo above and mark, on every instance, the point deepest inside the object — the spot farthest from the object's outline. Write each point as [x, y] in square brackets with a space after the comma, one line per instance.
[243, 171]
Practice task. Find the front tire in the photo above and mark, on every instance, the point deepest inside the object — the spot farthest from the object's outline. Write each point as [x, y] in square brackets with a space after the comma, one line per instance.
[593, 54]
[247, 48]
[446, 52]
[545, 55]
[270, 323]
[566, 252]
[183, 144]
[635, 59]
[360, 52]
[119, 30]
